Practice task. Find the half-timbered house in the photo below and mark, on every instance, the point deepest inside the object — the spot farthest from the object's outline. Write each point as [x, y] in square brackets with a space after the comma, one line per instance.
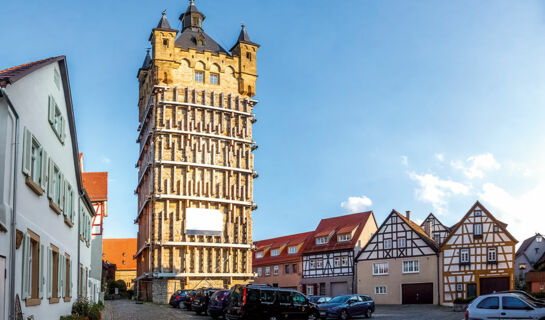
[435, 229]
[328, 255]
[399, 265]
[477, 257]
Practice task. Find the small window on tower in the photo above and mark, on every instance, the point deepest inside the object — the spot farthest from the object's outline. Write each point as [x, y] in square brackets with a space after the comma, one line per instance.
[214, 78]
[249, 56]
[165, 42]
[199, 76]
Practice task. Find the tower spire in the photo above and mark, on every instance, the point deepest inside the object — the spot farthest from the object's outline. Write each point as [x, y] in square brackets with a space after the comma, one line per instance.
[192, 17]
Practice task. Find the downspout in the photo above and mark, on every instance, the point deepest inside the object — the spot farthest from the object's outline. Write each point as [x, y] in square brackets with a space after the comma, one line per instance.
[439, 286]
[13, 211]
[79, 245]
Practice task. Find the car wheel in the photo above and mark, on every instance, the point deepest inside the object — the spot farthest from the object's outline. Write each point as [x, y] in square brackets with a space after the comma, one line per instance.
[198, 312]
[344, 315]
[316, 315]
[368, 313]
[272, 318]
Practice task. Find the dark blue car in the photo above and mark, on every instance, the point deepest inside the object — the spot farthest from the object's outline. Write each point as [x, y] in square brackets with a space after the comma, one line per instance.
[218, 304]
[346, 307]
[177, 297]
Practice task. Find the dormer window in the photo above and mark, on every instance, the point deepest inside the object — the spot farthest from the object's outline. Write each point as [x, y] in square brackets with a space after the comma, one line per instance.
[259, 255]
[292, 250]
[344, 237]
[539, 239]
[275, 253]
[321, 240]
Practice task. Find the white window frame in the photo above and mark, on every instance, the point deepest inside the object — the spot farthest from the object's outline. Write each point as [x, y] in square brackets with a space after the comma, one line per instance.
[267, 271]
[492, 254]
[310, 290]
[312, 264]
[478, 213]
[275, 270]
[321, 240]
[275, 252]
[292, 250]
[344, 261]
[465, 255]
[259, 272]
[387, 244]
[336, 261]
[259, 255]
[381, 268]
[411, 266]
[381, 290]
[199, 76]
[401, 245]
[478, 229]
[214, 78]
[344, 237]
[539, 239]
[319, 263]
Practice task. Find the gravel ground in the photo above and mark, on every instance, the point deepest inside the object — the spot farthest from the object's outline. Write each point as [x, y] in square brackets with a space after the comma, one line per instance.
[129, 310]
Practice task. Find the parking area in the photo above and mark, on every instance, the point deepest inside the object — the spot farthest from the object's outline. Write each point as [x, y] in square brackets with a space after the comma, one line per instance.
[129, 310]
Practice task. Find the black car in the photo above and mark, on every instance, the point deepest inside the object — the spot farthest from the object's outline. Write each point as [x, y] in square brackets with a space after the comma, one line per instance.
[189, 299]
[346, 307]
[218, 304]
[319, 299]
[177, 297]
[254, 301]
[201, 299]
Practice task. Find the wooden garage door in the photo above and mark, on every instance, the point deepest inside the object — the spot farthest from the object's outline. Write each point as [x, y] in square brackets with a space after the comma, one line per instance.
[339, 288]
[417, 293]
[491, 285]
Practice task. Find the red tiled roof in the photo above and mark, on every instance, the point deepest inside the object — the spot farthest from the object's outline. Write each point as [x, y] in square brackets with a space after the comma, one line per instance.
[96, 185]
[10, 75]
[347, 229]
[117, 251]
[282, 242]
[326, 226]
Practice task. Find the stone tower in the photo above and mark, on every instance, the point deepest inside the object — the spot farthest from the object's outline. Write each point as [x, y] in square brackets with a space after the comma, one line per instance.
[196, 167]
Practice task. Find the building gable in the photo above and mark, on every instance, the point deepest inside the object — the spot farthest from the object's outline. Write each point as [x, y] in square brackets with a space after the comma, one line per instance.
[433, 226]
[398, 237]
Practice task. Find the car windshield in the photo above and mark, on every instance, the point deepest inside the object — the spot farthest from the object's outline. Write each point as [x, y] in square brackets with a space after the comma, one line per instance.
[340, 299]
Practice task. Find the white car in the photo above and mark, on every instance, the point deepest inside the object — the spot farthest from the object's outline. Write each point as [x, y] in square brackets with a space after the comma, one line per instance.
[504, 306]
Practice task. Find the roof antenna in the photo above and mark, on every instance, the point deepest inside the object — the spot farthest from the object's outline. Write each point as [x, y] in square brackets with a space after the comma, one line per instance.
[191, 2]
[242, 25]
[165, 12]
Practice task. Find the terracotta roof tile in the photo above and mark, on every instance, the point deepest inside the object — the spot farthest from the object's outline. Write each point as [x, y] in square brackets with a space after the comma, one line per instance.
[335, 224]
[10, 75]
[117, 251]
[282, 242]
[96, 185]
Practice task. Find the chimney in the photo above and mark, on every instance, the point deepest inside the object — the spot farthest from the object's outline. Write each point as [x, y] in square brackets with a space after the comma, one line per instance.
[427, 228]
[408, 214]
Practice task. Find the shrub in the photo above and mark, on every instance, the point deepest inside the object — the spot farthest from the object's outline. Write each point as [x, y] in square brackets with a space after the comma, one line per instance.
[94, 312]
[71, 317]
[81, 307]
[100, 305]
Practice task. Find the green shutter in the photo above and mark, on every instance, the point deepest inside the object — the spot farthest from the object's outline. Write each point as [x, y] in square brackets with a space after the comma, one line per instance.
[27, 152]
[43, 178]
[51, 110]
[49, 272]
[41, 255]
[51, 179]
[25, 290]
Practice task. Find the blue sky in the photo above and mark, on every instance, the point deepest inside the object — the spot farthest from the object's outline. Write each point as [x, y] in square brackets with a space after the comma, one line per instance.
[425, 106]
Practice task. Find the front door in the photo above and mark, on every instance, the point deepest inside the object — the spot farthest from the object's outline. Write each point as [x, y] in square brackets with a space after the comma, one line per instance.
[471, 290]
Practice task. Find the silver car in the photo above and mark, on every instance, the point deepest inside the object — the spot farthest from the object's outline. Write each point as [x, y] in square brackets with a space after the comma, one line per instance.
[504, 306]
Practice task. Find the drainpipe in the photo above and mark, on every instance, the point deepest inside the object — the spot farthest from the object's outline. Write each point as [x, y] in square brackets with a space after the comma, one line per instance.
[439, 286]
[13, 211]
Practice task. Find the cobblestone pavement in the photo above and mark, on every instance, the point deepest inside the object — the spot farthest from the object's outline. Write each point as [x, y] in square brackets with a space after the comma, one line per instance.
[129, 310]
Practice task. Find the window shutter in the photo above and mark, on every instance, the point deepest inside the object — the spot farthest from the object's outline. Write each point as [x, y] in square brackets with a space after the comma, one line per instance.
[70, 277]
[59, 275]
[27, 152]
[73, 213]
[25, 290]
[49, 272]
[51, 113]
[63, 134]
[62, 189]
[41, 255]
[63, 276]
[51, 179]
[43, 178]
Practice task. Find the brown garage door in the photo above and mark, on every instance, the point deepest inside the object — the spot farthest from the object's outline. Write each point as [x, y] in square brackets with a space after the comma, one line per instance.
[339, 288]
[417, 293]
[491, 285]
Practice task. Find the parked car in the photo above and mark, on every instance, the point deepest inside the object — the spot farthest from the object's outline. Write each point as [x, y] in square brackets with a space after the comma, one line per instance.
[319, 299]
[253, 301]
[201, 299]
[189, 299]
[218, 304]
[367, 299]
[177, 297]
[526, 295]
[345, 307]
[504, 306]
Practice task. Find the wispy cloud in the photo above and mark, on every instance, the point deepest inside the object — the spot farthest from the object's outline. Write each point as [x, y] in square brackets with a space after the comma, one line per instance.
[357, 204]
[105, 160]
[437, 191]
[476, 166]
[405, 161]
[440, 157]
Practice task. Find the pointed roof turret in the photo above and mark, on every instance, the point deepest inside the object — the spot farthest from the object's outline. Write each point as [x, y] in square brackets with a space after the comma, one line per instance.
[243, 37]
[192, 17]
[147, 60]
[163, 23]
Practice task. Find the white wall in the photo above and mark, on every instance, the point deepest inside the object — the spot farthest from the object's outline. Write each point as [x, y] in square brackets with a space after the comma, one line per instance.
[29, 96]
